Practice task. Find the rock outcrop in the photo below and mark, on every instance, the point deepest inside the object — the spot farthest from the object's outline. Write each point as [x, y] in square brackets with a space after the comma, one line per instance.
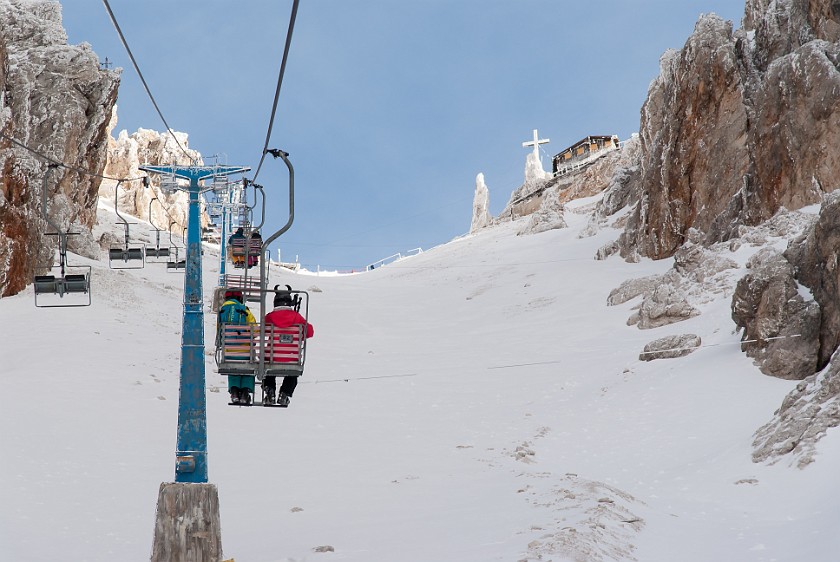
[739, 124]
[548, 217]
[481, 217]
[126, 154]
[55, 100]
[781, 325]
[802, 420]
[697, 275]
[814, 257]
[693, 141]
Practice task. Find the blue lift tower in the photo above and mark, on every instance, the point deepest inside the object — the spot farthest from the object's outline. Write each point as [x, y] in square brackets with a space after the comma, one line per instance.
[188, 510]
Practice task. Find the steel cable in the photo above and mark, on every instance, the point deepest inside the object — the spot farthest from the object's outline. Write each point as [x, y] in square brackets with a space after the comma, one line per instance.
[143, 80]
[279, 84]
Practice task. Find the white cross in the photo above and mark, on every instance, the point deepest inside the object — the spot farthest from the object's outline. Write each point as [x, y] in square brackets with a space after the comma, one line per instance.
[535, 143]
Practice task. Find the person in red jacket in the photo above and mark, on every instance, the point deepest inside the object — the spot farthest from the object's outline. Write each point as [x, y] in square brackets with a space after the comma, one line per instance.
[284, 315]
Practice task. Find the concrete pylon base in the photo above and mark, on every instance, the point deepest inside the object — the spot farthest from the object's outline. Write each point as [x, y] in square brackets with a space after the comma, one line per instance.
[187, 526]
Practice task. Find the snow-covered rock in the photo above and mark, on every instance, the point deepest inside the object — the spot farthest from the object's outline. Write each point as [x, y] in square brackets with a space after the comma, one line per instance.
[127, 153]
[548, 217]
[815, 257]
[782, 326]
[698, 276]
[670, 347]
[739, 124]
[57, 101]
[803, 419]
[481, 205]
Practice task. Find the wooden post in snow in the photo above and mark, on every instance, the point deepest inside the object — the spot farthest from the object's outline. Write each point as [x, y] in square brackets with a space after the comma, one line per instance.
[187, 526]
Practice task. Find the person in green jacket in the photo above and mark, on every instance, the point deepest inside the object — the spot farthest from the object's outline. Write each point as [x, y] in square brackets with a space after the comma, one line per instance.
[233, 311]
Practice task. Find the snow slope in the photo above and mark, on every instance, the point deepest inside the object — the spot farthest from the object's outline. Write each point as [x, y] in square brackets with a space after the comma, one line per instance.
[476, 402]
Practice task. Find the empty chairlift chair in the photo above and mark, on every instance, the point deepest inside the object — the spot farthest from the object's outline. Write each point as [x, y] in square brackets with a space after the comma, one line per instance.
[154, 254]
[175, 263]
[64, 285]
[127, 256]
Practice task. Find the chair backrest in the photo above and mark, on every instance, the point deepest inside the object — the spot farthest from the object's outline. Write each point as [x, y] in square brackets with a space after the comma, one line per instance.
[284, 346]
[76, 283]
[237, 246]
[250, 286]
[45, 284]
[237, 343]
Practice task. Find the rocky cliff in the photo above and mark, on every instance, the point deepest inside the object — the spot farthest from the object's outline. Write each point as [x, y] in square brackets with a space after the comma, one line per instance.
[55, 99]
[738, 127]
[739, 124]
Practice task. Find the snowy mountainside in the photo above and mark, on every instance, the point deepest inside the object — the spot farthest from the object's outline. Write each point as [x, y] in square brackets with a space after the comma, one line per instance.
[480, 401]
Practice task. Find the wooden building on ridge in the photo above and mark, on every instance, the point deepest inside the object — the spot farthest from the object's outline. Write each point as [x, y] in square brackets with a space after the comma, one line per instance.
[583, 149]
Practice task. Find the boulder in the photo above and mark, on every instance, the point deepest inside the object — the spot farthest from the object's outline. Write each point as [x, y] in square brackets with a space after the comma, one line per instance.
[670, 347]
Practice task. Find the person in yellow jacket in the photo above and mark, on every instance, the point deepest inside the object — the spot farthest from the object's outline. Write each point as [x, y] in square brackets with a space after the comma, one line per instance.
[237, 247]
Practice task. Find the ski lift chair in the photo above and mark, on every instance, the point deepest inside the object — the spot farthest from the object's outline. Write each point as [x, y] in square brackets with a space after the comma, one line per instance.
[63, 290]
[64, 285]
[239, 350]
[157, 251]
[127, 256]
[169, 183]
[279, 352]
[175, 265]
[51, 290]
[250, 286]
[237, 250]
[253, 251]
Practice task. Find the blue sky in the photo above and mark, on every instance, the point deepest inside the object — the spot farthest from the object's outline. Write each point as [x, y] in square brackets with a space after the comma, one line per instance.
[389, 108]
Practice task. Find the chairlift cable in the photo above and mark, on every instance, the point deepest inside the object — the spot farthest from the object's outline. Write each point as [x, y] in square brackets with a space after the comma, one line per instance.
[279, 83]
[63, 165]
[143, 80]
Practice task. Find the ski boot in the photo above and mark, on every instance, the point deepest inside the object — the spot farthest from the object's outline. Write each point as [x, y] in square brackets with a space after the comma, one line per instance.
[283, 400]
[269, 397]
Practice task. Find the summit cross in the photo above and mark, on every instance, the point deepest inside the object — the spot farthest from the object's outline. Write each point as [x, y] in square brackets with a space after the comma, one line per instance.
[536, 143]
